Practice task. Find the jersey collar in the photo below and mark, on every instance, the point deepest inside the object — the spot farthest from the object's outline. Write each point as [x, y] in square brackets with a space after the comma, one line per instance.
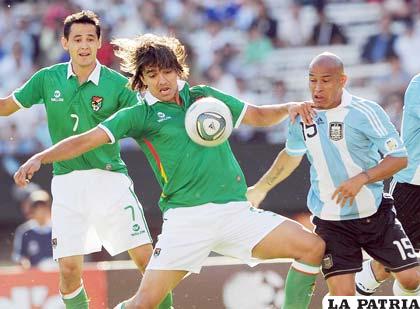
[346, 98]
[150, 99]
[93, 77]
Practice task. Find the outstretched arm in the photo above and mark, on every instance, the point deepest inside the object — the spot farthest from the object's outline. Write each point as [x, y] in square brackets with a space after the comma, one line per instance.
[268, 115]
[8, 106]
[282, 167]
[68, 148]
[384, 170]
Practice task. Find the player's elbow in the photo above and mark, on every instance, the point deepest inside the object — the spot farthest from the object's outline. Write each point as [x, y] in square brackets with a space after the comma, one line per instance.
[404, 162]
[399, 163]
[256, 116]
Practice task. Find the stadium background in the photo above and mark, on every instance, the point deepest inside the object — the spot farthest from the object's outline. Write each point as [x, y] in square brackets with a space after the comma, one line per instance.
[257, 50]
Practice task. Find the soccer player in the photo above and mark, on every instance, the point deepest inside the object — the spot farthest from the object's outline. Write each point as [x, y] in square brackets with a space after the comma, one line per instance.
[346, 197]
[405, 189]
[94, 204]
[203, 188]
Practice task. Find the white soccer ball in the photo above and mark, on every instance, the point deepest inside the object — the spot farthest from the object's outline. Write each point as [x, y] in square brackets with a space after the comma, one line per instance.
[208, 122]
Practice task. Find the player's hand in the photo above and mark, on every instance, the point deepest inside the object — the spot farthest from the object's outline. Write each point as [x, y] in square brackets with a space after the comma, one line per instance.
[255, 196]
[25, 173]
[348, 190]
[304, 109]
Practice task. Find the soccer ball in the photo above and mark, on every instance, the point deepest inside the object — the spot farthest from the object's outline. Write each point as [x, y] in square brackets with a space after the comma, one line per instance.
[208, 122]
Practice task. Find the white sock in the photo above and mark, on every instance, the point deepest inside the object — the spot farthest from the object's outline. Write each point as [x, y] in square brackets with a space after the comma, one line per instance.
[366, 283]
[400, 291]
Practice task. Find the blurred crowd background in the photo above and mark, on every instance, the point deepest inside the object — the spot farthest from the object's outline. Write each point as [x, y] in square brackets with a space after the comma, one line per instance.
[256, 50]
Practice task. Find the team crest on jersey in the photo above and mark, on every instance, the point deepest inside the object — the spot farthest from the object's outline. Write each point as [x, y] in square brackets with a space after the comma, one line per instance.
[96, 103]
[336, 131]
[327, 261]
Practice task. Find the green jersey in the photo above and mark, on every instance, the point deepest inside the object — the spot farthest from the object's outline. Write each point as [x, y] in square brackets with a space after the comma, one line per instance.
[73, 109]
[188, 173]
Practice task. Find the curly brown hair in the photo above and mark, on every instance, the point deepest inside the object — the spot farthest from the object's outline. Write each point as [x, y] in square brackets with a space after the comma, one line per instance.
[150, 50]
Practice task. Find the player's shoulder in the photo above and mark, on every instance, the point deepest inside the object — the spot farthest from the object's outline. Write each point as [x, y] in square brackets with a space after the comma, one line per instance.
[362, 109]
[199, 90]
[59, 68]
[112, 75]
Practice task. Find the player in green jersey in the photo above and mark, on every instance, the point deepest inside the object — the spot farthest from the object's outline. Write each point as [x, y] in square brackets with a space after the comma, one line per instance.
[94, 202]
[203, 189]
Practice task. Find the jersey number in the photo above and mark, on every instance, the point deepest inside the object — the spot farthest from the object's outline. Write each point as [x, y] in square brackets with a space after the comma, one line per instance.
[308, 130]
[405, 248]
[76, 122]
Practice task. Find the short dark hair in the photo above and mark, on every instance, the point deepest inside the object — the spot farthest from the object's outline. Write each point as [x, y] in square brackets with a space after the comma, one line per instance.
[83, 17]
[150, 50]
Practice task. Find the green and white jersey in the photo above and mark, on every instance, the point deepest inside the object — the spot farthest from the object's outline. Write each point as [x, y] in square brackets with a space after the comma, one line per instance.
[73, 109]
[188, 173]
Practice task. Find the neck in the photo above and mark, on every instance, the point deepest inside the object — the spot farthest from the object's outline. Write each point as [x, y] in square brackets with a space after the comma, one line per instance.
[178, 99]
[83, 72]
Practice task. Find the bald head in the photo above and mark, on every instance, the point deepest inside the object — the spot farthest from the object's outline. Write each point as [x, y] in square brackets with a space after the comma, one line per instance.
[326, 80]
[328, 61]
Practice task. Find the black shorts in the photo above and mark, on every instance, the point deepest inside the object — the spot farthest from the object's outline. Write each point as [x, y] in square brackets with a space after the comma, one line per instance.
[380, 235]
[407, 204]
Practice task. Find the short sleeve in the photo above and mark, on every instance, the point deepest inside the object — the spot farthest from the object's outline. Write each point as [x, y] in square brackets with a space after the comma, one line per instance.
[236, 106]
[127, 122]
[376, 125]
[31, 92]
[295, 143]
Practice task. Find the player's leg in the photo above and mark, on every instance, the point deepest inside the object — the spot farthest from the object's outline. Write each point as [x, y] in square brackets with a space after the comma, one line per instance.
[72, 234]
[343, 255]
[122, 225]
[290, 239]
[155, 285]
[407, 282]
[406, 202]
[341, 285]
[185, 242]
[253, 234]
[71, 285]
[141, 256]
[394, 250]
[371, 277]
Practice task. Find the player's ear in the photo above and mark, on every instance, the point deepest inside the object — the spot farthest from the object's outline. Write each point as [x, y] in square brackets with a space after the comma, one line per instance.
[100, 42]
[64, 43]
[343, 79]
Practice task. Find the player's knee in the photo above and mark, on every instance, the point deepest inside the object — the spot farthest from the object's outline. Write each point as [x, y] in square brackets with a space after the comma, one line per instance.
[342, 290]
[70, 270]
[141, 256]
[319, 247]
[313, 250]
[409, 281]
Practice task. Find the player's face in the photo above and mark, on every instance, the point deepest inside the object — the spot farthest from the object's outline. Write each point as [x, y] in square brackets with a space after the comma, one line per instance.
[162, 83]
[82, 44]
[326, 86]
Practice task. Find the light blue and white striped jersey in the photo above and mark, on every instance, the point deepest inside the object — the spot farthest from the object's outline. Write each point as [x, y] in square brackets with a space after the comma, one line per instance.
[341, 143]
[410, 133]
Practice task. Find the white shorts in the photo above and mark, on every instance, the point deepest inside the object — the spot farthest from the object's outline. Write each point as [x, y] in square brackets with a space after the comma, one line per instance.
[96, 208]
[190, 233]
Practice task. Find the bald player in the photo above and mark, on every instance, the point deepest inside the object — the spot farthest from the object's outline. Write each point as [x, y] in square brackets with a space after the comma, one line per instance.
[350, 211]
